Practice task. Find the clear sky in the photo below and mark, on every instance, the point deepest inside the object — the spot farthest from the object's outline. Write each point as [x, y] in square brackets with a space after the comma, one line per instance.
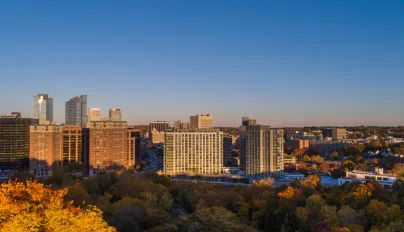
[285, 63]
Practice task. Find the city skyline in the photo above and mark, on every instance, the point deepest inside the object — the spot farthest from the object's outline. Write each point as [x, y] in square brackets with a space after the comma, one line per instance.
[284, 64]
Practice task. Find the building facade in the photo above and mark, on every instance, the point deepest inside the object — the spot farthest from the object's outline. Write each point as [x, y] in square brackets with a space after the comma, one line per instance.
[264, 150]
[201, 121]
[43, 108]
[76, 111]
[338, 133]
[385, 180]
[193, 151]
[54, 146]
[115, 114]
[245, 122]
[94, 114]
[14, 141]
[297, 144]
[132, 134]
[160, 126]
[107, 145]
[227, 149]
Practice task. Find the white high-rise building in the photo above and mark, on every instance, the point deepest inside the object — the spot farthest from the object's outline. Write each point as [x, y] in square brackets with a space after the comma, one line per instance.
[76, 111]
[193, 151]
[263, 150]
[43, 108]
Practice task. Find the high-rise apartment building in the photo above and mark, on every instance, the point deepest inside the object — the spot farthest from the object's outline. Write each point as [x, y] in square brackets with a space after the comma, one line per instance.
[193, 151]
[76, 111]
[43, 108]
[160, 126]
[94, 114]
[245, 121]
[14, 141]
[115, 114]
[54, 146]
[227, 149]
[132, 134]
[201, 121]
[264, 150]
[338, 133]
[107, 145]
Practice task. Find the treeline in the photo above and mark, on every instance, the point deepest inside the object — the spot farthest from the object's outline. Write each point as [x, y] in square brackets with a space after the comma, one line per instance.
[151, 202]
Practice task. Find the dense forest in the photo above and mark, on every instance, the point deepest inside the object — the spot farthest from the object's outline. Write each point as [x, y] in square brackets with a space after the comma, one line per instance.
[151, 202]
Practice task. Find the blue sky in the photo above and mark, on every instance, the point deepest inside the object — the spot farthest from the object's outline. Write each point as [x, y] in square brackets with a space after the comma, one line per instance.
[285, 63]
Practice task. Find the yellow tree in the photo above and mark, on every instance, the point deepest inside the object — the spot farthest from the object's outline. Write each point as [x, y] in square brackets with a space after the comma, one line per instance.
[35, 207]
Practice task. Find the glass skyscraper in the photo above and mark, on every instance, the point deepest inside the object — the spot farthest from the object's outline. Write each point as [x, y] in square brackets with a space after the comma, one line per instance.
[76, 111]
[43, 108]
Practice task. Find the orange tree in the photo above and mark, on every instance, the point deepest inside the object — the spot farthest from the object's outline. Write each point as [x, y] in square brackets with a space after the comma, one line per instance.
[35, 207]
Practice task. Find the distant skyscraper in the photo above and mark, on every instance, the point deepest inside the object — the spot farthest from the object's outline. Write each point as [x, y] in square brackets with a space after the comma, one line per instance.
[160, 126]
[14, 141]
[193, 151]
[43, 108]
[76, 111]
[115, 114]
[201, 121]
[264, 150]
[94, 114]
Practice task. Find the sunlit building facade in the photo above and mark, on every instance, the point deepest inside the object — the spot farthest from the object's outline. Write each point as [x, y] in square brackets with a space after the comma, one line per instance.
[193, 151]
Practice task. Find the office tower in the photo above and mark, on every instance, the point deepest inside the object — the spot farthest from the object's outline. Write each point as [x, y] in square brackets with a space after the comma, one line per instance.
[14, 141]
[227, 149]
[115, 114]
[264, 150]
[245, 122]
[53, 146]
[131, 136]
[94, 114]
[193, 151]
[180, 125]
[107, 145]
[43, 108]
[160, 126]
[338, 133]
[201, 121]
[76, 111]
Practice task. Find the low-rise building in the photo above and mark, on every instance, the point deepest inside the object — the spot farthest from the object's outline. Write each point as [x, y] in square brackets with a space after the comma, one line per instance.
[386, 180]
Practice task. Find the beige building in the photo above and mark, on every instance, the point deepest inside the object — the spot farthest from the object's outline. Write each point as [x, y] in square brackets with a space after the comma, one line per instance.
[264, 150]
[115, 114]
[157, 136]
[94, 114]
[297, 144]
[338, 133]
[54, 146]
[201, 121]
[131, 145]
[193, 151]
[107, 145]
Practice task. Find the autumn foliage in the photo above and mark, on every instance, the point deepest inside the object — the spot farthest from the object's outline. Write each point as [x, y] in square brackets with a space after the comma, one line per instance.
[35, 207]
